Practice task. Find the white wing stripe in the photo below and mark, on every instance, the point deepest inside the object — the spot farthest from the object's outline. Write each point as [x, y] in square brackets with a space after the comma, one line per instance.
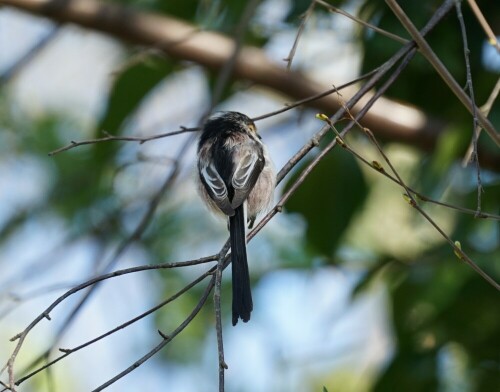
[214, 181]
[244, 170]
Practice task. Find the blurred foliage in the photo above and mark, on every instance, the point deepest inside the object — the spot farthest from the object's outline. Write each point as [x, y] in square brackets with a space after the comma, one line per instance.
[131, 85]
[442, 312]
[321, 200]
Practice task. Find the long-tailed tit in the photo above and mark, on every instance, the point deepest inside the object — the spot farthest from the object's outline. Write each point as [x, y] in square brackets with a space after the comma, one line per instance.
[236, 178]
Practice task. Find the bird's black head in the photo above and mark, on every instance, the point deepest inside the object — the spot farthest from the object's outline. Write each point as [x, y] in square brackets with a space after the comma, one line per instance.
[223, 123]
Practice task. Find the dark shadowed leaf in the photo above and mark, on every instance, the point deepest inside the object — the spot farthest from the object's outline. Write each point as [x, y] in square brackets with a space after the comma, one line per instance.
[129, 88]
[329, 198]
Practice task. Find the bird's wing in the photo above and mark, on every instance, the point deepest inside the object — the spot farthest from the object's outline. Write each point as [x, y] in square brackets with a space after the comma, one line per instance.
[248, 164]
[216, 188]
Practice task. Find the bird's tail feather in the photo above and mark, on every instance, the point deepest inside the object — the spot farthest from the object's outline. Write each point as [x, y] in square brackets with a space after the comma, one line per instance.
[242, 294]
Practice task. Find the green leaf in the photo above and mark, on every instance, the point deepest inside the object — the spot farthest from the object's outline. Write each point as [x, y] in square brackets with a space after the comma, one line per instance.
[185, 9]
[328, 199]
[386, 269]
[128, 91]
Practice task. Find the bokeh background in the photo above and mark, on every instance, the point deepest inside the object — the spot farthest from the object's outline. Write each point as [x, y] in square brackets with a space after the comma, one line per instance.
[353, 289]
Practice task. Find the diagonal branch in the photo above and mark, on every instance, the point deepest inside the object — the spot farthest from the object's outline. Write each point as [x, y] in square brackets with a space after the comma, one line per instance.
[440, 68]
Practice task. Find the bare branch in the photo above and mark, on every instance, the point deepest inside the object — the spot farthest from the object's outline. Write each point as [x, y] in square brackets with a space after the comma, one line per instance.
[300, 31]
[379, 168]
[315, 97]
[337, 10]
[134, 236]
[221, 264]
[45, 314]
[408, 51]
[110, 137]
[470, 88]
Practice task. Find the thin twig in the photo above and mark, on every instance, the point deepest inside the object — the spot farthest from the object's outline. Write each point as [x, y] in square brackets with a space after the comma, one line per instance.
[383, 32]
[379, 168]
[92, 283]
[112, 138]
[316, 96]
[486, 108]
[429, 54]
[300, 31]
[470, 88]
[110, 275]
[218, 313]
[382, 70]
[315, 140]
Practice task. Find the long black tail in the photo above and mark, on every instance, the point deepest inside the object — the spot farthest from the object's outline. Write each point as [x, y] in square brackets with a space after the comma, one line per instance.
[242, 294]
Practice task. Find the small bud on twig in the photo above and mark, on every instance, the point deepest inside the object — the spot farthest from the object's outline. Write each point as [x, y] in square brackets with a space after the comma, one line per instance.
[408, 199]
[322, 117]
[377, 166]
[457, 250]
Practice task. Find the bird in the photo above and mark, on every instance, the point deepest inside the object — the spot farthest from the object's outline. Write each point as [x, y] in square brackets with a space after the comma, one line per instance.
[236, 179]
